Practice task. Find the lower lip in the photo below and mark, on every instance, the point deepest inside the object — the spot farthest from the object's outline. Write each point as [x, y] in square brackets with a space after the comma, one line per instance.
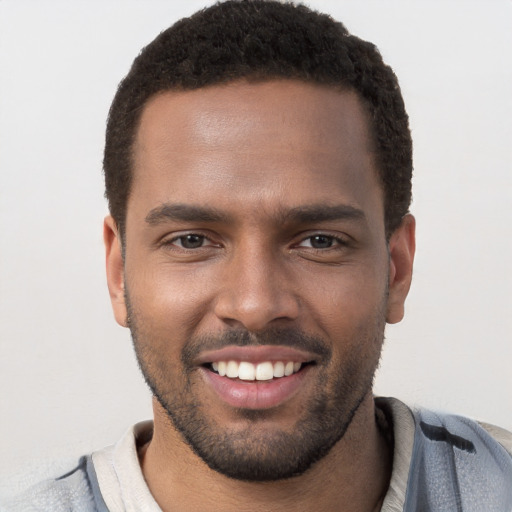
[255, 394]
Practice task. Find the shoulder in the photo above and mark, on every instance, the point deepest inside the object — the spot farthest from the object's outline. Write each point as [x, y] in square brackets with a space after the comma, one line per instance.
[457, 462]
[452, 433]
[502, 436]
[446, 462]
[71, 490]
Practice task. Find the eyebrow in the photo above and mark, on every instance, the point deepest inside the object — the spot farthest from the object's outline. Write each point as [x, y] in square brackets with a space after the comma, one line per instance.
[300, 214]
[184, 213]
[322, 213]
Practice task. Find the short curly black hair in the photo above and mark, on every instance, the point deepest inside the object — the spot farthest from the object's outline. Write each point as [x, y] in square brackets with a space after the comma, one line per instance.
[262, 40]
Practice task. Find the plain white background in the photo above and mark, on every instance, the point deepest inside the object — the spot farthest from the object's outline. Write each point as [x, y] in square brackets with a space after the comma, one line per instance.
[68, 379]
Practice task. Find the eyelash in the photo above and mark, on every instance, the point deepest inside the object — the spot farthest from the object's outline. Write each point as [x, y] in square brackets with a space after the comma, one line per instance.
[335, 241]
[172, 241]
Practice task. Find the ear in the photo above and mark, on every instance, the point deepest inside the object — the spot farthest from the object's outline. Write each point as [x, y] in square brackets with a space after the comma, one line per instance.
[115, 270]
[402, 245]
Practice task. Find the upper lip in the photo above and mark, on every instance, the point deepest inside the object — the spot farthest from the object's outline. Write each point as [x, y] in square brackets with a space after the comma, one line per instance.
[256, 354]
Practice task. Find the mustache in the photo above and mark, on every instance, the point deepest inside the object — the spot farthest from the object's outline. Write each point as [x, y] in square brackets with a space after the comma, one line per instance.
[291, 337]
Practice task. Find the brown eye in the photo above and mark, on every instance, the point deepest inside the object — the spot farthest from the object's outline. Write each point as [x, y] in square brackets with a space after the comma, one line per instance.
[190, 241]
[321, 241]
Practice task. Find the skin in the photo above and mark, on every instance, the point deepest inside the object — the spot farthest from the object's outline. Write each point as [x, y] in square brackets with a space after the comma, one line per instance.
[258, 152]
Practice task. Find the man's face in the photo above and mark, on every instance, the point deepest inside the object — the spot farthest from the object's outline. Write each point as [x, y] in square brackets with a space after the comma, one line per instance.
[255, 245]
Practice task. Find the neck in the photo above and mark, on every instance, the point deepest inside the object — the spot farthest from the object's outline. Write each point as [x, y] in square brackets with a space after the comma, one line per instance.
[337, 482]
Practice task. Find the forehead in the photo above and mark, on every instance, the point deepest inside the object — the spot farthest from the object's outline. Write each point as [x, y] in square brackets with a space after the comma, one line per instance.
[247, 141]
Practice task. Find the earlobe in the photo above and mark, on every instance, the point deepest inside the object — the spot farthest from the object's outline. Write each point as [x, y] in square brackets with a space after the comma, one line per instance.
[115, 270]
[402, 245]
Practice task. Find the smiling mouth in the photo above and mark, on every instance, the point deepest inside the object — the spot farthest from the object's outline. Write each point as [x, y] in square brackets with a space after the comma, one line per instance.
[264, 371]
[256, 377]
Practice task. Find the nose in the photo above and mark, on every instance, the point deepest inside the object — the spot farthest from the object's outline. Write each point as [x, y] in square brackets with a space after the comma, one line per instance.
[257, 291]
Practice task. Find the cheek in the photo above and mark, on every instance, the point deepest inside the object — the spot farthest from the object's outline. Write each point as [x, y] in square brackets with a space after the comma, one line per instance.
[349, 304]
[168, 302]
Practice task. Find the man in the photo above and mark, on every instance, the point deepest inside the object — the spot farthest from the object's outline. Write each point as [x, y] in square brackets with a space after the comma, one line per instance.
[258, 165]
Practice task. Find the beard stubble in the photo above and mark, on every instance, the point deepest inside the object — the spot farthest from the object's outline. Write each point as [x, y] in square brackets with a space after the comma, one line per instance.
[251, 450]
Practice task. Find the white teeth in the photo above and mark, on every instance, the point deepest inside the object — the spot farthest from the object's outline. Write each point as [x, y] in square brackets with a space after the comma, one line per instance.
[245, 370]
[279, 369]
[264, 371]
[232, 369]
